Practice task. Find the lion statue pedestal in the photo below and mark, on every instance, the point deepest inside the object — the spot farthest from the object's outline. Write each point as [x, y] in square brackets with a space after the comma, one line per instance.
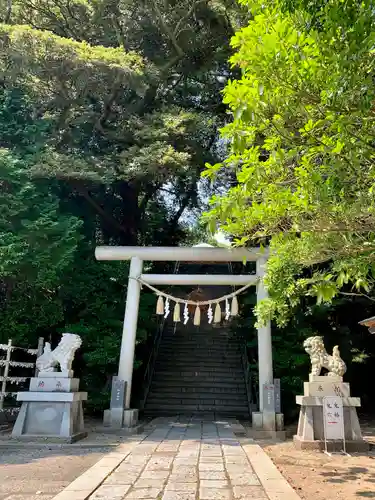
[310, 432]
[52, 409]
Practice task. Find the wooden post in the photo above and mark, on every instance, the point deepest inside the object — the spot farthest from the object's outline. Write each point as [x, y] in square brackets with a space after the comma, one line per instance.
[5, 375]
[40, 352]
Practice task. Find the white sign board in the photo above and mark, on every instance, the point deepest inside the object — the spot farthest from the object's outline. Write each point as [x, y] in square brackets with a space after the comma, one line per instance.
[333, 415]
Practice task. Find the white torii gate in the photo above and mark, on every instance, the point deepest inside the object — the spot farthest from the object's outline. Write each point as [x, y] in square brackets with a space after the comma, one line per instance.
[200, 253]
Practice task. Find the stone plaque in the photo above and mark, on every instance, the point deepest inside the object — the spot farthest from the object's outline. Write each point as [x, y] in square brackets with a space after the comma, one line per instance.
[277, 395]
[118, 393]
[56, 384]
[44, 419]
[327, 388]
[333, 414]
[269, 397]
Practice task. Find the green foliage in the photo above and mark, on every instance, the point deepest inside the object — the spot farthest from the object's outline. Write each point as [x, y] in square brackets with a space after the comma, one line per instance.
[336, 322]
[108, 112]
[37, 243]
[302, 149]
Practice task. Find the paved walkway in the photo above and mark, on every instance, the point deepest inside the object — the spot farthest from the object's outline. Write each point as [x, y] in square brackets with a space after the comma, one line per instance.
[183, 460]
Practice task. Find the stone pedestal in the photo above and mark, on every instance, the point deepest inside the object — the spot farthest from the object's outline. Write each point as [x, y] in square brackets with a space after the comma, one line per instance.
[310, 432]
[52, 409]
[118, 417]
[268, 424]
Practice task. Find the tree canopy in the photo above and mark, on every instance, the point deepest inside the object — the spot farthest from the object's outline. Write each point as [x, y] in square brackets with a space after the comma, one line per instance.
[302, 148]
[108, 112]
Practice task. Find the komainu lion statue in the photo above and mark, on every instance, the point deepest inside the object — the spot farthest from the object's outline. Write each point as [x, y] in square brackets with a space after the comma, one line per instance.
[314, 346]
[62, 355]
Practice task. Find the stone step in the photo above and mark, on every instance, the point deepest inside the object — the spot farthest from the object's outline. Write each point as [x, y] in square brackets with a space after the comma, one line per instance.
[185, 375]
[177, 349]
[202, 340]
[212, 342]
[182, 398]
[199, 349]
[198, 370]
[217, 367]
[205, 338]
[225, 410]
[203, 382]
[209, 390]
[199, 384]
[210, 361]
[200, 353]
[196, 403]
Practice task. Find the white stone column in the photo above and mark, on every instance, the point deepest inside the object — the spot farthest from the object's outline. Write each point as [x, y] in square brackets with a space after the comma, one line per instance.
[125, 369]
[264, 336]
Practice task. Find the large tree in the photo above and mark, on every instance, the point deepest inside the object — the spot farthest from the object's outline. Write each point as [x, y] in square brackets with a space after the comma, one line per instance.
[302, 148]
[132, 90]
[108, 111]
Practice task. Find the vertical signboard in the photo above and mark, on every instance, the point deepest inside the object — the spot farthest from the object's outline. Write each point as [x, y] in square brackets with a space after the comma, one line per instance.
[276, 383]
[118, 393]
[333, 417]
[269, 397]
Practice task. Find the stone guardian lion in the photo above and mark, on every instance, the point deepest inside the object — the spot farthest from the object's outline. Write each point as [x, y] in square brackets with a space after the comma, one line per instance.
[314, 346]
[62, 355]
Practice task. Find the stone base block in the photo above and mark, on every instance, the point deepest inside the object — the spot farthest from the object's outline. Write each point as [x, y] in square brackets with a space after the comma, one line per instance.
[130, 418]
[117, 418]
[268, 421]
[42, 416]
[66, 374]
[261, 434]
[358, 446]
[257, 420]
[327, 388]
[54, 384]
[311, 425]
[50, 439]
[324, 378]
[280, 422]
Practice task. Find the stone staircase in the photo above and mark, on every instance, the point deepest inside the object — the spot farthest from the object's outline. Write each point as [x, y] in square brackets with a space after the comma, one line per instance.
[198, 370]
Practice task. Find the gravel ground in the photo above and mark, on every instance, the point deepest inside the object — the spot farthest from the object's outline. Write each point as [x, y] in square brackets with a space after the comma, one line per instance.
[39, 474]
[316, 476]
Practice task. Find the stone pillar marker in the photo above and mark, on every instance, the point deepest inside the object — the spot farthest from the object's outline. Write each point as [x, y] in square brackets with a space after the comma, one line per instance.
[310, 432]
[52, 409]
[120, 415]
[265, 419]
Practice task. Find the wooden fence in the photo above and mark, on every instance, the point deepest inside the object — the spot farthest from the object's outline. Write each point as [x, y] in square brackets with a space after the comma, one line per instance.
[7, 378]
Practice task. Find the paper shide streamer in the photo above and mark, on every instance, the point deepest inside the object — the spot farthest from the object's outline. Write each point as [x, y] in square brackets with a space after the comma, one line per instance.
[214, 312]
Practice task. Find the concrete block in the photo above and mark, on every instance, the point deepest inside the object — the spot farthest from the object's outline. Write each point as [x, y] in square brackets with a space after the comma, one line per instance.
[269, 420]
[107, 418]
[52, 397]
[130, 418]
[318, 401]
[279, 421]
[322, 378]
[48, 415]
[117, 418]
[67, 374]
[54, 384]
[113, 418]
[310, 432]
[327, 388]
[333, 446]
[257, 420]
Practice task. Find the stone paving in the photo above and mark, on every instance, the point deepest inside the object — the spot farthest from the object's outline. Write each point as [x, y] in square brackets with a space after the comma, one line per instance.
[187, 460]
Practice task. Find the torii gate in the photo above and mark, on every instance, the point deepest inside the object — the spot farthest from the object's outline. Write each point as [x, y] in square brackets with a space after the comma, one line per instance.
[201, 253]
